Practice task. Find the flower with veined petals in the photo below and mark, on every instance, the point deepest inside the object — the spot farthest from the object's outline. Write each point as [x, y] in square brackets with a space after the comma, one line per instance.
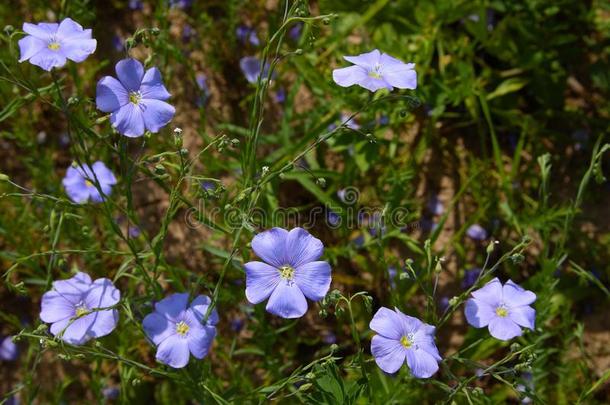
[291, 271]
[80, 182]
[49, 45]
[178, 330]
[74, 308]
[502, 308]
[136, 100]
[375, 70]
[403, 338]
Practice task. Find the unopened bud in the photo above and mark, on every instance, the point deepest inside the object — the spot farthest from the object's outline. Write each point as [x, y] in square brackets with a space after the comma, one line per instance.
[159, 169]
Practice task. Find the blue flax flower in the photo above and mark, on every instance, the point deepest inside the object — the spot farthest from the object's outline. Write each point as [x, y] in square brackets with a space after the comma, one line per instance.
[135, 4]
[504, 309]
[295, 31]
[202, 83]
[291, 271]
[77, 308]
[178, 330]
[376, 70]
[111, 393]
[470, 277]
[251, 67]
[8, 349]
[247, 34]
[49, 45]
[435, 206]
[403, 338]
[80, 182]
[136, 100]
[180, 3]
[476, 232]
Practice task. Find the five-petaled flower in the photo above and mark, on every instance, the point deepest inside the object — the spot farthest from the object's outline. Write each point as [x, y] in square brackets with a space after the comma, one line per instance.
[402, 337]
[80, 182]
[136, 100]
[504, 309]
[375, 70]
[49, 45]
[290, 273]
[79, 309]
[179, 330]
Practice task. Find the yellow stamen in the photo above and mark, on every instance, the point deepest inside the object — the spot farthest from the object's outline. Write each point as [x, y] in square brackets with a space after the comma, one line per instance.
[135, 97]
[88, 183]
[376, 72]
[54, 46]
[287, 272]
[406, 342]
[182, 328]
[501, 311]
[81, 311]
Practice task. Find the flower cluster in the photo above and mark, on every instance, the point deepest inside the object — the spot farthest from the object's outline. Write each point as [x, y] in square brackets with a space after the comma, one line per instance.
[290, 270]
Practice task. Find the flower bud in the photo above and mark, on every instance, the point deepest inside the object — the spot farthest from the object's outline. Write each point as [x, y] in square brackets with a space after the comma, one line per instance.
[491, 246]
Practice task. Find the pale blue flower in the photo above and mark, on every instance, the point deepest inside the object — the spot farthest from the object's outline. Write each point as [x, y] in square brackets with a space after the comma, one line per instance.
[476, 232]
[136, 100]
[80, 182]
[178, 329]
[403, 338]
[78, 309]
[504, 309]
[376, 70]
[290, 272]
[251, 67]
[49, 45]
[8, 349]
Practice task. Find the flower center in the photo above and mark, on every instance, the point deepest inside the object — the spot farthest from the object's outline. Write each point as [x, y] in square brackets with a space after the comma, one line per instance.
[407, 341]
[135, 97]
[81, 310]
[286, 272]
[88, 183]
[502, 311]
[376, 72]
[182, 328]
[53, 45]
